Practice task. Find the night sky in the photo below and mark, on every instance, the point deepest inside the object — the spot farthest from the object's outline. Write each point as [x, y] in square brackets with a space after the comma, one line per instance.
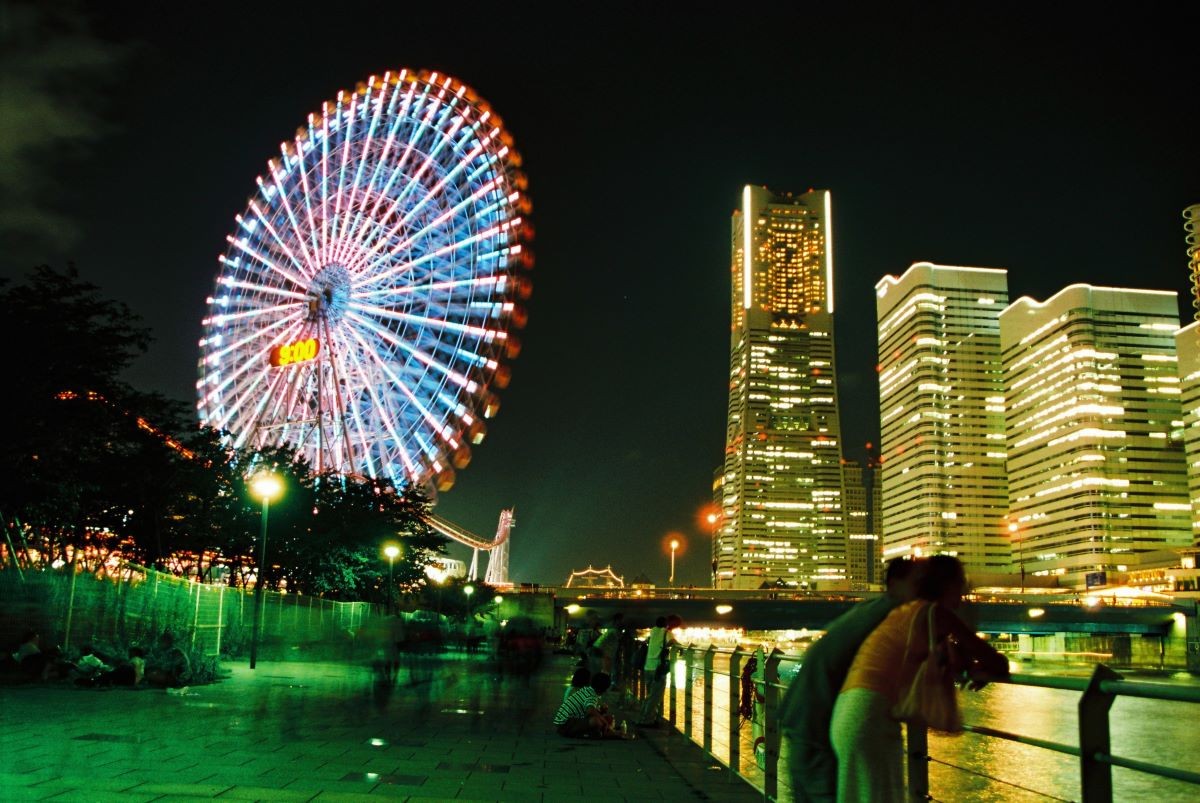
[1062, 150]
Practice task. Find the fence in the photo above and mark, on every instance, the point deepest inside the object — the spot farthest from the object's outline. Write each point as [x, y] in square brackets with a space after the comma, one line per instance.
[77, 607]
[704, 695]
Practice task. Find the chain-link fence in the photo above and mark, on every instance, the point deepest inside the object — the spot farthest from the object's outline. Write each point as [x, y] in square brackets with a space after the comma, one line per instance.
[134, 605]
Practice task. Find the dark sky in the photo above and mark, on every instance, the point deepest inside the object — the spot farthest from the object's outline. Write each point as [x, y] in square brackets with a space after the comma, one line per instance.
[1062, 150]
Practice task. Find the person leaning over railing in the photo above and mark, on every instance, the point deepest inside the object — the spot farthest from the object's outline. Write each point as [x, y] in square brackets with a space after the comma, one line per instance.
[865, 732]
[807, 706]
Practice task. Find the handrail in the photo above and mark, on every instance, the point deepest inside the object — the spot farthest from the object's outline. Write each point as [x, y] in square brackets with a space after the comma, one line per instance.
[1097, 694]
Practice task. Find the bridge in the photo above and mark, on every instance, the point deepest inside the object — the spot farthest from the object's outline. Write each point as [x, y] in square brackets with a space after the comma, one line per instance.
[1033, 614]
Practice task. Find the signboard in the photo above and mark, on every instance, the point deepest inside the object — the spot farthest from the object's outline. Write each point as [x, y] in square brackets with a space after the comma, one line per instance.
[1095, 579]
[300, 351]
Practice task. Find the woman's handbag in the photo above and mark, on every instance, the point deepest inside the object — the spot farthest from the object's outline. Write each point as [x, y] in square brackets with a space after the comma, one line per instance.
[931, 697]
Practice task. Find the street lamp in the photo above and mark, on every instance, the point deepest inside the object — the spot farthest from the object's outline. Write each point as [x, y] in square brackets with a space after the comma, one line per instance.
[391, 551]
[674, 546]
[1012, 534]
[266, 486]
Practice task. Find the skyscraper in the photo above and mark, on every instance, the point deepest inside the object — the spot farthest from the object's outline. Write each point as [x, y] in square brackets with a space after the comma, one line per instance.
[941, 395]
[1187, 344]
[1096, 470]
[861, 554]
[781, 488]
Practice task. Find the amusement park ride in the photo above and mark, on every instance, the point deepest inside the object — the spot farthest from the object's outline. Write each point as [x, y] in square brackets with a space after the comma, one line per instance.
[363, 310]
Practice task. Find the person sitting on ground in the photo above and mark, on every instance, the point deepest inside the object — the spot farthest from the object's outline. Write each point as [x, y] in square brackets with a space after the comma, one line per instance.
[581, 678]
[167, 665]
[582, 714]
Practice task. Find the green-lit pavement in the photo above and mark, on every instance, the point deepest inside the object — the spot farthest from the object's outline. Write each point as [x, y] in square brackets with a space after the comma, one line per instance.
[451, 730]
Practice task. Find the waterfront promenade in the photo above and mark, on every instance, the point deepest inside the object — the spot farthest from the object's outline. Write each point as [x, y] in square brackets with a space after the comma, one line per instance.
[451, 730]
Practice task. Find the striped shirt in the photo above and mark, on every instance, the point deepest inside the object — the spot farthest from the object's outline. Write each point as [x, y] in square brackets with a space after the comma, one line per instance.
[576, 705]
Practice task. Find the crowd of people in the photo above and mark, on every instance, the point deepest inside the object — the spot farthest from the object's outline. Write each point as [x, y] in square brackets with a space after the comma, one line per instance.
[871, 671]
[162, 664]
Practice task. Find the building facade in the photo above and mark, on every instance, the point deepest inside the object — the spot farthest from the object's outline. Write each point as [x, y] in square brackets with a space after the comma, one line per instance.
[1096, 467]
[781, 480]
[862, 556]
[941, 389]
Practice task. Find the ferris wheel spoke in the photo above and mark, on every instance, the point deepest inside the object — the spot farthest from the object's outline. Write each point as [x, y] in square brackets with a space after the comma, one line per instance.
[435, 323]
[325, 182]
[302, 169]
[379, 167]
[434, 424]
[262, 219]
[343, 353]
[416, 353]
[265, 289]
[250, 338]
[224, 317]
[433, 225]
[363, 157]
[433, 192]
[346, 123]
[310, 267]
[431, 286]
[440, 252]
[250, 362]
[383, 410]
[418, 133]
[401, 116]
[241, 245]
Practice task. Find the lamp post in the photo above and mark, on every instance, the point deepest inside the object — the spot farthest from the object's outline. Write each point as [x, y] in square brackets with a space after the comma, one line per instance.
[266, 486]
[391, 551]
[674, 546]
[1012, 534]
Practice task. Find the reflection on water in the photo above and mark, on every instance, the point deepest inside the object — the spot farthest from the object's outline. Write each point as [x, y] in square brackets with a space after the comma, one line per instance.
[970, 767]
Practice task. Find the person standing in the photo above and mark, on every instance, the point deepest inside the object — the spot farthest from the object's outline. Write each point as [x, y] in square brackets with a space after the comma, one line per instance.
[658, 653]
[865, 736]
[807, 706]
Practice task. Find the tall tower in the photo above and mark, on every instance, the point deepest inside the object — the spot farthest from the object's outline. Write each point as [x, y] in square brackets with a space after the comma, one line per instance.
[1187, 344]
[782, 481]
[941, 394]
[860, 541]
[1096, 464]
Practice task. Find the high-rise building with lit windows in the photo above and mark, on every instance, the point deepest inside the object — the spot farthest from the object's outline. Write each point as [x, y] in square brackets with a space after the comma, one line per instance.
[781, 487]
[941, 390]
[1187, 346]
[1096, 468]
[861, 553]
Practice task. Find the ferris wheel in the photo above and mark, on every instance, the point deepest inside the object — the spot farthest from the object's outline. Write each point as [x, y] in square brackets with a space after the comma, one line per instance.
[364, 308]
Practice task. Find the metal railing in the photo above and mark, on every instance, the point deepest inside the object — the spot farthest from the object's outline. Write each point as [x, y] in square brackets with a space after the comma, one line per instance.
[758, 755]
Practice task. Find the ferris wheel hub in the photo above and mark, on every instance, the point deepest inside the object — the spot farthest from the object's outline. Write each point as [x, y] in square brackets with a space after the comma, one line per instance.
[329, 293]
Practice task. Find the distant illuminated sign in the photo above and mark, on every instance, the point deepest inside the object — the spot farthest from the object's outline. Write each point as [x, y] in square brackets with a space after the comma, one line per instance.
[300, 351]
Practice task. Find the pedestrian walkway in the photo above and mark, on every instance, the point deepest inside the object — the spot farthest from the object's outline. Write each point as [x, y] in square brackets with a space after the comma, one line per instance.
[451, 730]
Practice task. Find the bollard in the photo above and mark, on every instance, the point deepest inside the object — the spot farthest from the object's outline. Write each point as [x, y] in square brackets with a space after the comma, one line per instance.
[708, 698]
[735, 683]
[1095, 775]
[771, 725]
[916, 750]
[688, 694]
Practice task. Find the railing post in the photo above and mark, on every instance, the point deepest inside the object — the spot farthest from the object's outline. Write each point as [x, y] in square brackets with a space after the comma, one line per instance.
[689, 674]
[1095, 776]
[708, 698]
[735, 685]
[672, 657]
[771, 724]
[916, 749]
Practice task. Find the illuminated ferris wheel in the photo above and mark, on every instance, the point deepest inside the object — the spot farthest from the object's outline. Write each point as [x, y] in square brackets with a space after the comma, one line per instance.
[364, 308]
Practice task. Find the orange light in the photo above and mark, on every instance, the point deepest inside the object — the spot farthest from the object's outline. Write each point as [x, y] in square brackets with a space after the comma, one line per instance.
[300, 351]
